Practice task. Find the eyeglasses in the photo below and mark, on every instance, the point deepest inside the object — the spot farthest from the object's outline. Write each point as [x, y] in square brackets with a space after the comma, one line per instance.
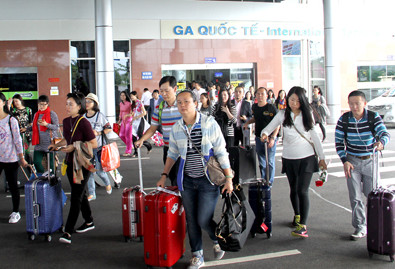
[89, 101]
[42, 104]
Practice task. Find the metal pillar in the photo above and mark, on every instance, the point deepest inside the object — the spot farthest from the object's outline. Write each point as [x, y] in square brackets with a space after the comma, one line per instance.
[104, 58]
[332, 63]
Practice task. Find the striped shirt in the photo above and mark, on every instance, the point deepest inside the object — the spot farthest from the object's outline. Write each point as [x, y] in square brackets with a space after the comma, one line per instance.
[194, 163]
[360, 139]
[170, 115]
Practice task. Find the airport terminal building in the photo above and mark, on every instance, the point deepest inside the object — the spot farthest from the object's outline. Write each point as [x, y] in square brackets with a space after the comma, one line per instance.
[48, 47]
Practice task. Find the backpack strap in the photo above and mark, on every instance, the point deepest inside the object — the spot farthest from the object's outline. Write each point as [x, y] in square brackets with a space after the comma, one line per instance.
[160, 110]
[346, 118]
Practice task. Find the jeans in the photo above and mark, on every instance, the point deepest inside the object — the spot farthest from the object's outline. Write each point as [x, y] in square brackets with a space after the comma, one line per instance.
[260, 151]
[199, 198]
[360, 184]
[99, 171]
[78, 201]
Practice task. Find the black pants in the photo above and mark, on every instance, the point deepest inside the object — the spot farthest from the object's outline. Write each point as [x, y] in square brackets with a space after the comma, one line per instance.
[145, 143]
[79, 200]
[229, 140]
[239, 137]
[11, 175]
[299, 173]
[174, 170]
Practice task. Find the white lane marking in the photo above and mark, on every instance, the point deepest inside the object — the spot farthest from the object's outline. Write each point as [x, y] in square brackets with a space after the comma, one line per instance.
[326, 200]
[253, 258]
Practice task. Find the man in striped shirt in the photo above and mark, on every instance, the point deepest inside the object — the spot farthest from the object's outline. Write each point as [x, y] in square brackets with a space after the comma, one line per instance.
[357, 133]
[164, 115]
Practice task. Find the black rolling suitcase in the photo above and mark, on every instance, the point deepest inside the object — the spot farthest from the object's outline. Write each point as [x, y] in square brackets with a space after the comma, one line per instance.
[243, 162]
[259, 197]
[381, 218]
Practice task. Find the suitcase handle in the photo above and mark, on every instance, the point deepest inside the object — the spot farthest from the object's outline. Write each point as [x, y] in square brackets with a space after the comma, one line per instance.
[136, 216]
[36, 210]
[168, 191]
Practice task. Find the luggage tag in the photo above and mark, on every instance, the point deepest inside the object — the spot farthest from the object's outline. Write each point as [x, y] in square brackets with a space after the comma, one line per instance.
[264, 227]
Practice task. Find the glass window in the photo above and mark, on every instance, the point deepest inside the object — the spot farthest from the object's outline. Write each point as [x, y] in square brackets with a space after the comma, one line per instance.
[291, 47]
[82, 49]
[391, 71]
[291, 72]
[363, 74]
[378, 72]
[317, 60]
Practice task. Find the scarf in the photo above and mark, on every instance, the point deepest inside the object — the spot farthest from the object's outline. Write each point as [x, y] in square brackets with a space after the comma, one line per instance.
[47, 117]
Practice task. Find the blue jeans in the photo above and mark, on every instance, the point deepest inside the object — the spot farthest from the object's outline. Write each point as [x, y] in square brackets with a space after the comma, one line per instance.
[199, 198]
[260, 151]
[99, 171]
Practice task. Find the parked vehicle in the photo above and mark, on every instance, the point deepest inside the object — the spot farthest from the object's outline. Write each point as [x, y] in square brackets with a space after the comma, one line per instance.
[385, 106]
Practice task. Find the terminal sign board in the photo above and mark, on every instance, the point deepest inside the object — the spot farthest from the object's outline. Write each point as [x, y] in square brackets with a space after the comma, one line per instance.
[147, 75]
[210, 60]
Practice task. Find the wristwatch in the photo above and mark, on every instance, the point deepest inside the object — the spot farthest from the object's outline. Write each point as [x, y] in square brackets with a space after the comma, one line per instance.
[164, 174]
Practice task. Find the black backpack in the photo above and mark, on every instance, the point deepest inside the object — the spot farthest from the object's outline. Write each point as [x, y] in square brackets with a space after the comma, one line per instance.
[345, 122]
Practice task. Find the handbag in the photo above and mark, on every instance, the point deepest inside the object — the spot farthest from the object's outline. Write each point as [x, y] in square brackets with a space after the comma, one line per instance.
[212, 166]
[110, 158]
[116, 128]
[236, 221]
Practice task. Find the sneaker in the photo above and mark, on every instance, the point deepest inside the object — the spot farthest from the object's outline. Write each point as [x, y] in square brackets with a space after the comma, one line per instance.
[14, 217]
[300, 231]
[91, 197]
[218, 252]
[358, 234]
[196, 262]
[296, 221]
[109, 189]
[85, 227]
[65, 238]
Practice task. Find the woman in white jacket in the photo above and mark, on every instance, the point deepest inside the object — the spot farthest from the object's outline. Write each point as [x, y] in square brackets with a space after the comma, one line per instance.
[301, 144]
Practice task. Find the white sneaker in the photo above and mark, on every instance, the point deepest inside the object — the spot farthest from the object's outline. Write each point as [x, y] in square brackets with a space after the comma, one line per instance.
[218, 252]
[196, 262]
[14, 217]
[358, 234]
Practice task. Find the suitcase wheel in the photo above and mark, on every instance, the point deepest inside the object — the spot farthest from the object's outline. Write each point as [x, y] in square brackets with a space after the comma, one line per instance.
[268, 235]
[127, 239]
[141, 239]
[253, 235]
[31, 236]
[392, 258]
[48, 238]
[370, 254]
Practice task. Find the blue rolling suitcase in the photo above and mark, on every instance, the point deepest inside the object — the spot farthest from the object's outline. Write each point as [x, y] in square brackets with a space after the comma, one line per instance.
[44, 206]
[259, 197]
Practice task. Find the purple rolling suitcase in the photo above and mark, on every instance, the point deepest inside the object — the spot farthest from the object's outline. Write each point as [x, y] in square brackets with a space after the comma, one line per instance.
[44, 206]
[381, 219]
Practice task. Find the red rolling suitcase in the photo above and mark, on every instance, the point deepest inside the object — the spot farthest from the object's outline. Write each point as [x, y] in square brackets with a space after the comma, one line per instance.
[164, 227]
[133, 208]
[381, 219]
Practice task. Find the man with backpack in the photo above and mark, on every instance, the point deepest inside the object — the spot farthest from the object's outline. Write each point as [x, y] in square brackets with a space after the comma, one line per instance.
[165, 115]
[357, 133]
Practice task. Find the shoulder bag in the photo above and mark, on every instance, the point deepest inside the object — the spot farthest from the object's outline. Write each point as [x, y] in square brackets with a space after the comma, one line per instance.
[212, 166]
[63, 167]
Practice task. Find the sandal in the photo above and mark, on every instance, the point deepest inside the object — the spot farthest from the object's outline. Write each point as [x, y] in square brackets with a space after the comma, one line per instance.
[126, 155]
[134, 155]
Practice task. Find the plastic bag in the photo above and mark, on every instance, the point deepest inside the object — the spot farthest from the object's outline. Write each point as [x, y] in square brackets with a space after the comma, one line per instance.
[110, 158]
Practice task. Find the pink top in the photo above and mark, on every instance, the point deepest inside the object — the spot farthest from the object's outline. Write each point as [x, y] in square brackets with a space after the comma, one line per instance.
[124, 108]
